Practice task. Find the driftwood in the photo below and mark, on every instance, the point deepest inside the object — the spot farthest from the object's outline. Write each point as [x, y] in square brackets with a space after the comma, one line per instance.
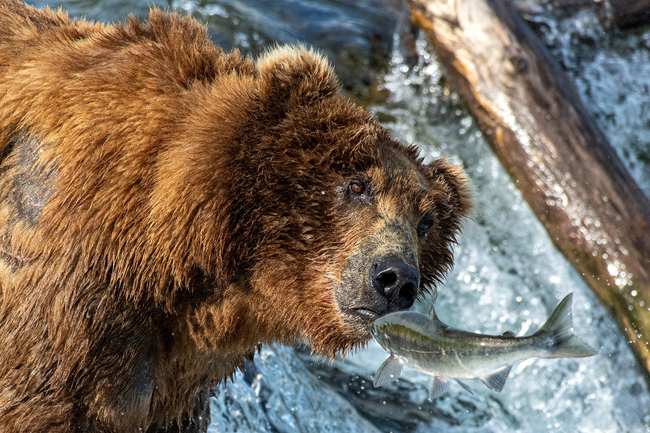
[533, 119]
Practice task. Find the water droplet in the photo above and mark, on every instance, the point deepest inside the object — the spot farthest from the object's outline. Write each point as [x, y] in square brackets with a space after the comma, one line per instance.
[612, 269]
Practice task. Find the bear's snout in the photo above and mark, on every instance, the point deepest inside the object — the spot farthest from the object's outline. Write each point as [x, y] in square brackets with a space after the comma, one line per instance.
[395, 280]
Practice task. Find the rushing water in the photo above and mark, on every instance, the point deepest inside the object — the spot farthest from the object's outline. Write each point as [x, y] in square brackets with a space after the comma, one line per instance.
[507, 276]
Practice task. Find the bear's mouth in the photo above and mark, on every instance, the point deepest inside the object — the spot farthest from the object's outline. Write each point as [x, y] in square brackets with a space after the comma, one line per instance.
[358, 320]
[366, 313]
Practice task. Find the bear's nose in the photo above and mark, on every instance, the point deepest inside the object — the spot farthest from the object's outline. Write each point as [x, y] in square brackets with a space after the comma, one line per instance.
[396, 280]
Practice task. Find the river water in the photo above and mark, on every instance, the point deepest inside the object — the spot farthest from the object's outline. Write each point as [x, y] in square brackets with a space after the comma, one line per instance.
[508, 275]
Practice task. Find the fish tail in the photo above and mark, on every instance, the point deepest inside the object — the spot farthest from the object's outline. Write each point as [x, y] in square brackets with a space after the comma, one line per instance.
[557, 334]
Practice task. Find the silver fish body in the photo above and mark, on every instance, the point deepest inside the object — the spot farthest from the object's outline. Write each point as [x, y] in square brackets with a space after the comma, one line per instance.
[429, 346]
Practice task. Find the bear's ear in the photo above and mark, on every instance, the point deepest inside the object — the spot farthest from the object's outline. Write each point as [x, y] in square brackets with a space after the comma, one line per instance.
[459, 185]
[294, 76]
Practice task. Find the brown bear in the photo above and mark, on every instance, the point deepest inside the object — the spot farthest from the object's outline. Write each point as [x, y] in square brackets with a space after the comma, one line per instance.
[166, 208]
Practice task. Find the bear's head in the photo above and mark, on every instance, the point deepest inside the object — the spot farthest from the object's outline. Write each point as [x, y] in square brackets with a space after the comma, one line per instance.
[354, 225]
[336, 222]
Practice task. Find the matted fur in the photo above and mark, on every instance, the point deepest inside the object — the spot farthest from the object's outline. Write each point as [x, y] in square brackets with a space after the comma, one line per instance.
[165, 208]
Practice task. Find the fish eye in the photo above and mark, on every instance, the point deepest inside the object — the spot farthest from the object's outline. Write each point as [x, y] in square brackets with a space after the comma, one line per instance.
[424, 225]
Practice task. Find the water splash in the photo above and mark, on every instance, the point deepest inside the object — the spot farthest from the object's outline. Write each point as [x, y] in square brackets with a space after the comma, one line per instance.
[278, 394]
[612, 75]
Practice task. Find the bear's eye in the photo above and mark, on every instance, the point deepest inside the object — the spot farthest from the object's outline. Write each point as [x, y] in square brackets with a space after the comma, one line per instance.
[359, 191]
[357, 187]
[424, 225]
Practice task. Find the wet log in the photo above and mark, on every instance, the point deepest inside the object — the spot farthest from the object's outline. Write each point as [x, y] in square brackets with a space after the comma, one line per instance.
[536, 124]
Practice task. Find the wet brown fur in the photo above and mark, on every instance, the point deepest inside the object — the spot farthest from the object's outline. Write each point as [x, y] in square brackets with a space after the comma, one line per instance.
[166, 207]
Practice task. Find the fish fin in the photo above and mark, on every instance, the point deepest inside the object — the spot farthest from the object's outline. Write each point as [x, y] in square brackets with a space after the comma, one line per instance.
[497, 379]
[389, 371]
[436, 322]
[434, 317]
[508, 334]
[438, 387]
[432, 309]
[465, 386]
[558, 333]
